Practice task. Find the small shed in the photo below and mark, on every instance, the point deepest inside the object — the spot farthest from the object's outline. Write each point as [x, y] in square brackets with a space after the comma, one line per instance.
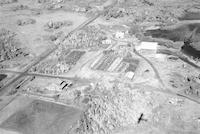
[119, 35]
[130, 75]
[107, 41]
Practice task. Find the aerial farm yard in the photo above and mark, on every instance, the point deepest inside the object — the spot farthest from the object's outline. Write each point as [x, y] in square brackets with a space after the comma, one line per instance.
[99, 67]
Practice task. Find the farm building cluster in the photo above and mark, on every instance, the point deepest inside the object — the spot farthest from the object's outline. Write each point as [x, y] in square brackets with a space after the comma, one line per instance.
[94, 38]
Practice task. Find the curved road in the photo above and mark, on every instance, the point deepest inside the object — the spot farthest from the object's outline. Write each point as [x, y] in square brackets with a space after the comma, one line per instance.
[152, 66]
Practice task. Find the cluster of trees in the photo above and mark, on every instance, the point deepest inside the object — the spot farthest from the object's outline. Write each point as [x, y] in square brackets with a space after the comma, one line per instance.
[51, 4]
[139, 11]
[192, 87]
[9, 46]
[7, 1]
[90, 37]
[51, 67]
[57, 24]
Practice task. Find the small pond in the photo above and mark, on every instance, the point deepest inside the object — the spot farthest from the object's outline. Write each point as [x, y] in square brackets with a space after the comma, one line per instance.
[2, 76]
[191, 51]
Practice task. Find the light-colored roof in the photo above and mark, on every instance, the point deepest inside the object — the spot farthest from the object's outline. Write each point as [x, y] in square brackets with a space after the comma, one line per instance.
[147, 46]
[130, 74]
[53, 87]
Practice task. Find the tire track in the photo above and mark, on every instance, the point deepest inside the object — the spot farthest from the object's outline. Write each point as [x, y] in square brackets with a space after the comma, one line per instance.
[152, 66]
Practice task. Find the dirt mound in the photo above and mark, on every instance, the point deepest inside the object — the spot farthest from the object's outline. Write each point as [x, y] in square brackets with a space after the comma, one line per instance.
[26, 21]
[53, 25]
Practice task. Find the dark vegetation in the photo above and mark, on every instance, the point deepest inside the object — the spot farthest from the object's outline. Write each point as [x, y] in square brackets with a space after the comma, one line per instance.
[9, 46]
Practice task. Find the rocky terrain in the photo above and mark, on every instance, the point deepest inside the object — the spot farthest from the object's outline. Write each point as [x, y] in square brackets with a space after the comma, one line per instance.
[99, 67]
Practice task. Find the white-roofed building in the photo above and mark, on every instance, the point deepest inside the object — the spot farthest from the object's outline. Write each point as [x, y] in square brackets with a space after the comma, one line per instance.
[130, 75]
[147, 46]
[107, 41]
[119, 35]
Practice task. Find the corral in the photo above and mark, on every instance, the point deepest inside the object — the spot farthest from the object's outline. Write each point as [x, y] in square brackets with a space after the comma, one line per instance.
[111, 62]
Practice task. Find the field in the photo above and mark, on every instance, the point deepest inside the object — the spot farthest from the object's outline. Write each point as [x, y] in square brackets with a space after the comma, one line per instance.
[38, 42]
[37, 117]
